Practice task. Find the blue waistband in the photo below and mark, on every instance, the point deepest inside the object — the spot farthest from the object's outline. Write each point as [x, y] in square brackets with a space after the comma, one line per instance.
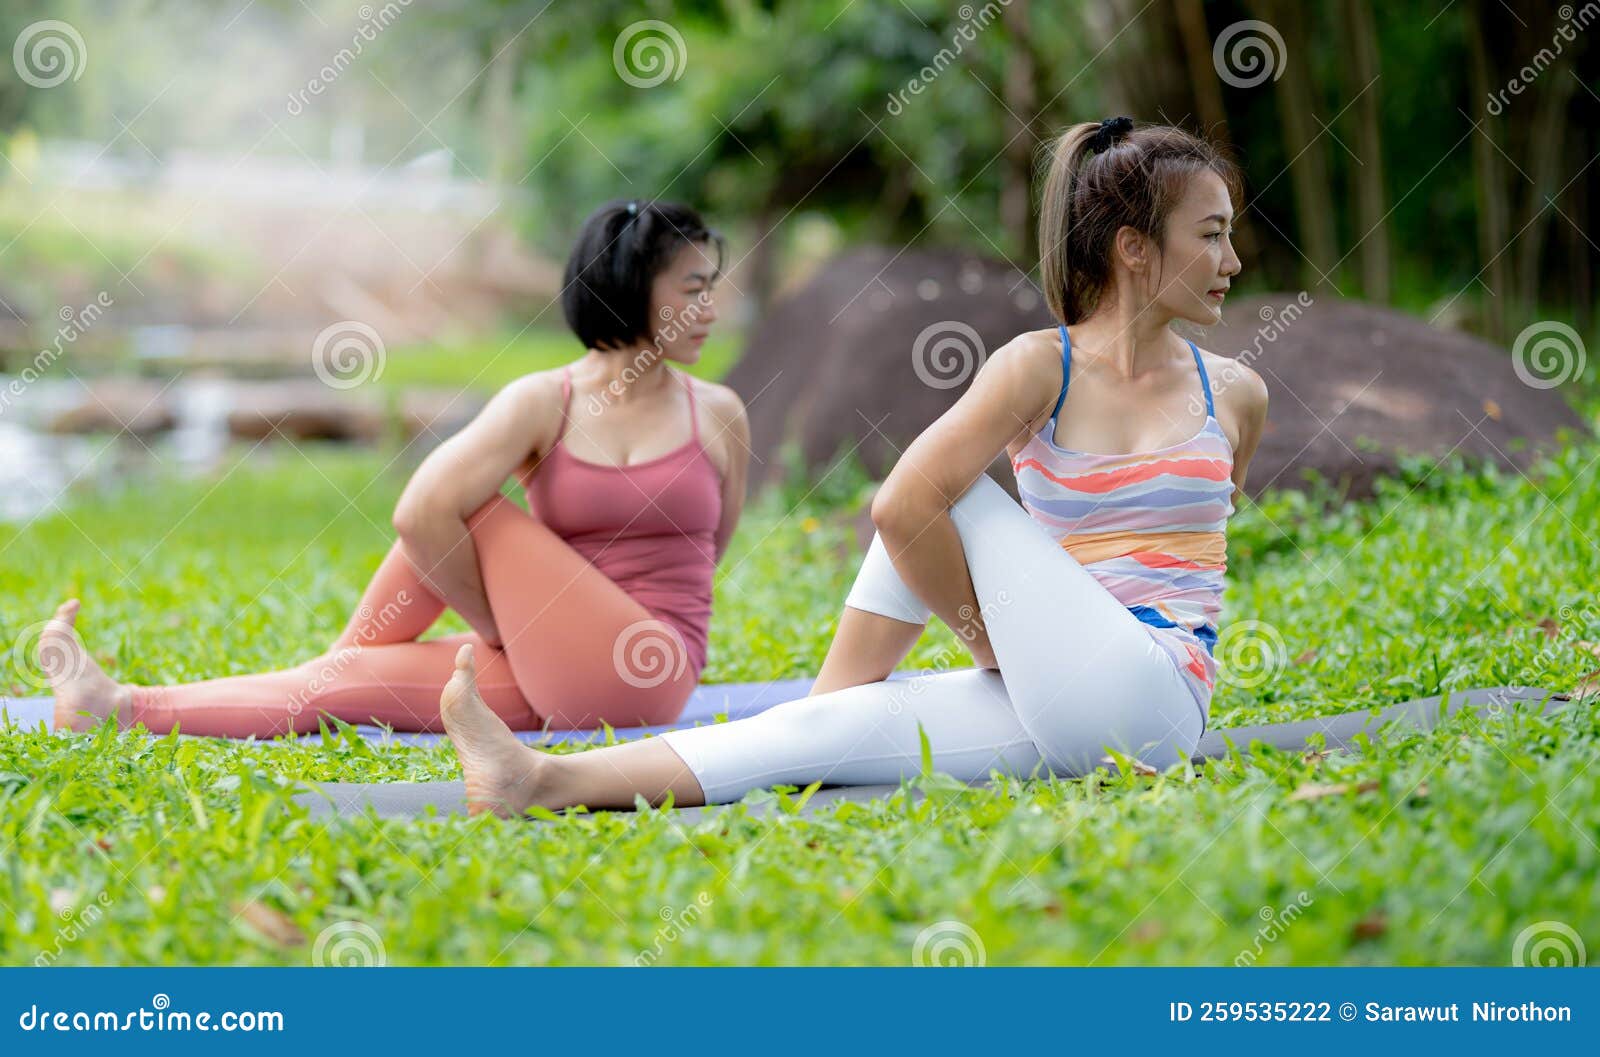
[1205, 632]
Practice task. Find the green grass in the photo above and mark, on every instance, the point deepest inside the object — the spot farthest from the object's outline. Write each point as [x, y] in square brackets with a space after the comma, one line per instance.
[126, 849]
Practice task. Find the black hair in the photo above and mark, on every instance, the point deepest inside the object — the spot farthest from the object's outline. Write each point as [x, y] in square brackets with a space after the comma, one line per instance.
[620, 250]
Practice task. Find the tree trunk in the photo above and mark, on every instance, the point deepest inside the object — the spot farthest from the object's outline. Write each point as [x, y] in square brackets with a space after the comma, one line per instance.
[1493, 209]
[1370, 199]
[1021, 98]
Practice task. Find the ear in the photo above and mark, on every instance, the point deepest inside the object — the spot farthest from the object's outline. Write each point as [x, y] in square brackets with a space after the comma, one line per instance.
[1133, 249]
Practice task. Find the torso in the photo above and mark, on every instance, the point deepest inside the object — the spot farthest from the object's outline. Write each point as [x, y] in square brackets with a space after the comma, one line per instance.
[1148, 523]
[649, 524]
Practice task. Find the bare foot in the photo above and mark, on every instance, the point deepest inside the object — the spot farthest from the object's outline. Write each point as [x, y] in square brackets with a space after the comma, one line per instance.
[79, 684]
[503, 775]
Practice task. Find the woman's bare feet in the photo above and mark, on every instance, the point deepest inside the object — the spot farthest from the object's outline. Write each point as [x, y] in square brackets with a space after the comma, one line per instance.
[85, 695]
[503, 775]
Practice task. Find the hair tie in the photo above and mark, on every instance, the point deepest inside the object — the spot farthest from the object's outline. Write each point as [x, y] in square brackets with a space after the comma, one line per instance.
[1111, 130]
[633, 208]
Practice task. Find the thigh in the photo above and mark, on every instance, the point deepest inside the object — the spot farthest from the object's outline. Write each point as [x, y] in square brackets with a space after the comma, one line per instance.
[1079, 667]
[584, 651]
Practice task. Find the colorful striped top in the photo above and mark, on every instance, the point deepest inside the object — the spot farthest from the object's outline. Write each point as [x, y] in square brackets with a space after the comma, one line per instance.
[1149, 526]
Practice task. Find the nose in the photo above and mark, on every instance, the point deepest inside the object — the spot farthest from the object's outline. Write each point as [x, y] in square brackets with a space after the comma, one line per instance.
[1231, 265]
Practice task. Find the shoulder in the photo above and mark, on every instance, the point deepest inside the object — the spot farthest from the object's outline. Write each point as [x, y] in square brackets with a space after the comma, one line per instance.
[719, 402]
[1025, 373]
[1239, 392]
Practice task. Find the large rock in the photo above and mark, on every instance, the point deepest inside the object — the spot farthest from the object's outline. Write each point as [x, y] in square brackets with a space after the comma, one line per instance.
[876, 346]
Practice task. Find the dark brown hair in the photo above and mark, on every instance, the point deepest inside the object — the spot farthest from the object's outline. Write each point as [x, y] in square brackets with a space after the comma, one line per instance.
[1089, 194]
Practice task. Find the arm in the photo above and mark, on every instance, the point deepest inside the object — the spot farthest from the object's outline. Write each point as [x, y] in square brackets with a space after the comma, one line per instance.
[911, 511]
[457, 478]
[1252, 420]
[732, 435]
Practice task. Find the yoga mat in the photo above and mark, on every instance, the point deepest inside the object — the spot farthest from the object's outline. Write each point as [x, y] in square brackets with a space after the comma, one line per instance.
[410, 799]
[739, 700]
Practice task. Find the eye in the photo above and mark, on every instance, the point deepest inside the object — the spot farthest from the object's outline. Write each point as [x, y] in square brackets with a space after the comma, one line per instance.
[1215, 234]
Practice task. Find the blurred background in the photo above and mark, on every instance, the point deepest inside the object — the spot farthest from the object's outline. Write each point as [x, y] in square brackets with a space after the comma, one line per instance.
[233, 223]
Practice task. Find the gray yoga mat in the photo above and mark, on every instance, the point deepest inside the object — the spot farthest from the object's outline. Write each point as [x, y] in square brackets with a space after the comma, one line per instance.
[411, 799]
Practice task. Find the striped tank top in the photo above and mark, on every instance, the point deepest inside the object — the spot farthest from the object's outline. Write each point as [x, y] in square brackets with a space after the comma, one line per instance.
[1149, 526]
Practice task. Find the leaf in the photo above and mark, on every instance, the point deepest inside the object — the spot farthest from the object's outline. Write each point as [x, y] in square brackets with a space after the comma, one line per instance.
[270, 922]
[927, 750]
[1316, 790]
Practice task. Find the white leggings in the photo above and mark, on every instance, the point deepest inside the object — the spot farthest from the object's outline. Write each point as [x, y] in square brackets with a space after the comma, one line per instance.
[1078, 673]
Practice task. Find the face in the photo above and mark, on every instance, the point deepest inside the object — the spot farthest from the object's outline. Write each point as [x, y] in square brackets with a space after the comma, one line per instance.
[1197, 263]
[682, 306]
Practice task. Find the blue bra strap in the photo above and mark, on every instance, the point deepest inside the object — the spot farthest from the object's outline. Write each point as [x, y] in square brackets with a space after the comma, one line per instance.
[1066, 369]
[1205, 383]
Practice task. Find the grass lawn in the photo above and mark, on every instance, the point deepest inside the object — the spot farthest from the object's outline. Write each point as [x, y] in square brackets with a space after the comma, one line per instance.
[1444, 848]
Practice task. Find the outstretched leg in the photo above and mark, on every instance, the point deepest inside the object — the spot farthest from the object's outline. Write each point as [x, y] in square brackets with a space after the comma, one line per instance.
[861, 735]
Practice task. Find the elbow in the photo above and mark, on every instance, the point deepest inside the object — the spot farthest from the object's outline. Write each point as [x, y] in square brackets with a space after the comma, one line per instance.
[899, 515]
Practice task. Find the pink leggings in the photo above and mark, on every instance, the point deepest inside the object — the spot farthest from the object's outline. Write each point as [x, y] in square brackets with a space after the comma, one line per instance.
[562, 622]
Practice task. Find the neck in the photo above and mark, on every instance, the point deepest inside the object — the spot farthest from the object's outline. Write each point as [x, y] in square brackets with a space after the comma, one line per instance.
[629, 373]
[1129, 343]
